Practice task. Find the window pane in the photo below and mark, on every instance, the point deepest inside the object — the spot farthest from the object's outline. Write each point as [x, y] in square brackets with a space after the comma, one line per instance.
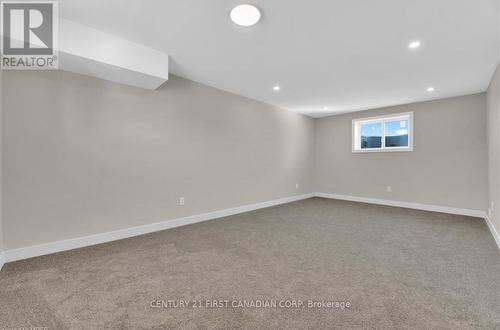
[371, 135]
[396, 133]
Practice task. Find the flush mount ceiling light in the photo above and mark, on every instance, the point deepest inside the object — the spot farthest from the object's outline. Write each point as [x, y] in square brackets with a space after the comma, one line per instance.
[276, 88]
[245, 15]
[430, 89]
[414, 44]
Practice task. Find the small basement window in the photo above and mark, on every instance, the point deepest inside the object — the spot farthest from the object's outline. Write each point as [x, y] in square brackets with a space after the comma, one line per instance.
[384, 133]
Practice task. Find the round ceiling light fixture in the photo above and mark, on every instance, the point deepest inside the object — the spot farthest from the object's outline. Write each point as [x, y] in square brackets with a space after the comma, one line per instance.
[245, 15]
[414, 44]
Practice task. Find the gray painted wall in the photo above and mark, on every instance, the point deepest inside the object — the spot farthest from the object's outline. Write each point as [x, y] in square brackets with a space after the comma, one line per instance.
[85, 156]
[1, 162]
[493, 106]
[447, 167]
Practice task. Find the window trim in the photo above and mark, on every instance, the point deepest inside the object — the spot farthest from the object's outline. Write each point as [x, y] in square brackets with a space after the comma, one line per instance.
[356, 124]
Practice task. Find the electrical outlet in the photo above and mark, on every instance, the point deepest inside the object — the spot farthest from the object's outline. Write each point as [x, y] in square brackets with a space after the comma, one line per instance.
[296, 186]
[389, 188]
[181, 201]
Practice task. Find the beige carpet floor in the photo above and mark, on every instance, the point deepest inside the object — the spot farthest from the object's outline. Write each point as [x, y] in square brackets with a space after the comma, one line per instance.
[396, 268]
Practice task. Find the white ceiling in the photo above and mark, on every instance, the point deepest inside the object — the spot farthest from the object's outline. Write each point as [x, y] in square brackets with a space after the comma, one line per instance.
[347, 55]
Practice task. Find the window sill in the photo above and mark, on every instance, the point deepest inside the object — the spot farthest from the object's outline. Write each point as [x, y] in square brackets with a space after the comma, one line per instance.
[382, 150]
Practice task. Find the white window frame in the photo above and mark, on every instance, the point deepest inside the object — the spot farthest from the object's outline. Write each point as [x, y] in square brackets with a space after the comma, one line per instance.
[356, 132]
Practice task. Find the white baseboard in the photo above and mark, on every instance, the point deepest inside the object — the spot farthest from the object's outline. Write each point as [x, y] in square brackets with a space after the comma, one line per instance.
[74, 243]
[416, 206]
[493, 231]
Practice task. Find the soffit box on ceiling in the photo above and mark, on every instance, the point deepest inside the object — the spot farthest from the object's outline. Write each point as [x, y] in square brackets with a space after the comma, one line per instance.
[94, 53]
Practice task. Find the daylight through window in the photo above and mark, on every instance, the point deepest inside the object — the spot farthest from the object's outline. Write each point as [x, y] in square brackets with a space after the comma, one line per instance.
[384, 133]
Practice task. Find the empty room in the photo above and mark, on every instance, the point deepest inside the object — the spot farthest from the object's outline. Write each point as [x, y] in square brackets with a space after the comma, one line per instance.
[271, 164]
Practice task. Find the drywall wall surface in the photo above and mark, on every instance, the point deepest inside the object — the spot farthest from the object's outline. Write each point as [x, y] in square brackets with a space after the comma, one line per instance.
[86, 156]
[446, 168]
[1, 166]
[493, 118]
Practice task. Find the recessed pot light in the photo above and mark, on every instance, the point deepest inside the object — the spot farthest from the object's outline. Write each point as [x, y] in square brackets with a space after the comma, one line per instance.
[431, 89]
[414, 44]
[276, 88]
[245, 15]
